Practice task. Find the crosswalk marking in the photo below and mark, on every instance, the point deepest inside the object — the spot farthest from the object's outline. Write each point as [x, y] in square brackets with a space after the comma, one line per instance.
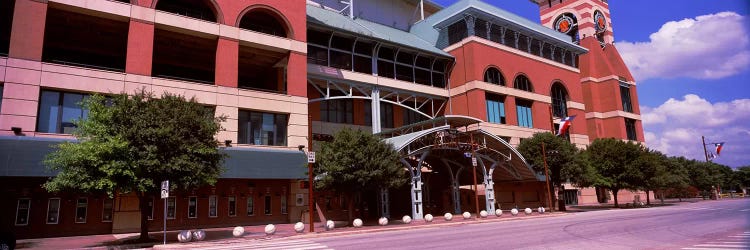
[725, 246]
[745, 210]
[269, 245]
[731, 242]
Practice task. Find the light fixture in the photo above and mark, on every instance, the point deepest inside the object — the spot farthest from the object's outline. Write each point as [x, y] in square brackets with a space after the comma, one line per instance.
[16, 130]
[301, 147]
[228, 143]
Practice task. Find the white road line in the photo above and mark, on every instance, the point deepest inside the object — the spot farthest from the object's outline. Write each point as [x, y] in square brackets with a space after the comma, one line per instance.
[294, 244]
[700, 248]
[740, 236]
[723, 246]
[745, 210]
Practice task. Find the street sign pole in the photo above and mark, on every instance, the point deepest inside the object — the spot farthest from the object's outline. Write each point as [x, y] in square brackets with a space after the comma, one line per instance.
[310, 174]
[165, 197]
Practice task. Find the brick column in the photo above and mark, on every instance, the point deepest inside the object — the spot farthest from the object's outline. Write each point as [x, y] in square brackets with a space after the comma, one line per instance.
[27, 35]
[140, 48]
[227, 61]
[297, 74]
[511, 115]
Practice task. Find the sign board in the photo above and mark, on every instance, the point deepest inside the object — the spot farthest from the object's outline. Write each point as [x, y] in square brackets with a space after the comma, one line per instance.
[311, 157]
[474, 161]
[164, 189]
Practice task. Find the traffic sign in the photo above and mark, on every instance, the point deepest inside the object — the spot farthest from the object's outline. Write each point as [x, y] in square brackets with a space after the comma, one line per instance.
[164, 189]
[311, 157]
[474, 161]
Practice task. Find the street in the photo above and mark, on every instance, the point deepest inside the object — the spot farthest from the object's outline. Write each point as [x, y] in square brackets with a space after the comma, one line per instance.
[723, 224]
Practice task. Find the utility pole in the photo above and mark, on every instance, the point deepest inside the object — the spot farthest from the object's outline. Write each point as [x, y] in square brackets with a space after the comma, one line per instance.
[310, 174]
[474, 171]
[546, 177]
[705, 153]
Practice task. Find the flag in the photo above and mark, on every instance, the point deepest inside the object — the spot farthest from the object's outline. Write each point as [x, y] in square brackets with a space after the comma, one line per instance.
[711, 156]
[718, 148]
[564, 125]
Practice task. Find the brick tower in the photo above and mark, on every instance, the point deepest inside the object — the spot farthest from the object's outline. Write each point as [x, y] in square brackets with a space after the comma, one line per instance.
[609, 89]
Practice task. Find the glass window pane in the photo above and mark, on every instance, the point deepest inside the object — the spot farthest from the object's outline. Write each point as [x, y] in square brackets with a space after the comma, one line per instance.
[317, 55]
[193, 207]
[108, 209]
[53, 211]
[341, 60]
[386, 53]
[49, 112]
[81, 207]
[243, 135]
[342, 43]
[385, 69]
[363, 64]
[171, 207]
[22, 212]
[71, 111]
[404, 73]
[211, 205]
[232, 206]
[250, 205]
[267, 204]
[255, 127]
[363, 48]
[281, 125]
[318, 37]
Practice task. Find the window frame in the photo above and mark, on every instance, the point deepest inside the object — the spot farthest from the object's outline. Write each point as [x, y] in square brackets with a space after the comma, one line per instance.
[194, 206]
[630, 129]
[522, 82]
[267, 208]
[559, 96]
[625, 98]
[111, 209]
[495, 103]
[213, 206]
[249, 137]
[250, 205]
[231, 209]
[85, 209]
[494, 72]
[529, 122]
[172, 205]
[18, 211]
[49, 205]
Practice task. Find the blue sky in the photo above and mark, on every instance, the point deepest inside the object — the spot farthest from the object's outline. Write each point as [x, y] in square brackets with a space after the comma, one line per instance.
[691, 61]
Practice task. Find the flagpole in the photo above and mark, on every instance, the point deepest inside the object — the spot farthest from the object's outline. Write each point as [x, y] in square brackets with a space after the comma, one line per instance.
[705, 153]
[551, 121]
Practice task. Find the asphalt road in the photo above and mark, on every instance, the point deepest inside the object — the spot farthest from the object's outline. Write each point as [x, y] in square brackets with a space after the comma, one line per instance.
[721, 224]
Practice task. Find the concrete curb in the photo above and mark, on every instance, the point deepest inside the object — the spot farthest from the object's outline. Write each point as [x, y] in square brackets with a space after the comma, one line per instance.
[356, 231]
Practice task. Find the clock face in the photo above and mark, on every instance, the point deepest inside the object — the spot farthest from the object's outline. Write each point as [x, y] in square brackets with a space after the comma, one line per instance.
[564, 24]
[601, 22]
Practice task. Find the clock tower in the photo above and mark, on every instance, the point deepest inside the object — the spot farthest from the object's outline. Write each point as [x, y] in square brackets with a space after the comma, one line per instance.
[578, 18]
[609, 90]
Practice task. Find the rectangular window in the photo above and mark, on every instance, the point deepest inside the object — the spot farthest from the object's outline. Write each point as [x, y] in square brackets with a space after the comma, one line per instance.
[58, 110]
[171, 207]
[53, 211]
[232, 206]
[337, 111]
[267, 205]
[250, 206]
[283, 204]
[630, 129]
[259, 128]
[107, 210]
[495, 109]
[193, 207]
[81, 210]
[212, 204]
[22, 212]
[386, 115]
[627, 105]
[150, 208]
[523, 108]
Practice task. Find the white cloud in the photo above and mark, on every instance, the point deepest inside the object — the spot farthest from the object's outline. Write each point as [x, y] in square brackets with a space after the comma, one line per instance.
[675, 128]
[706, 47]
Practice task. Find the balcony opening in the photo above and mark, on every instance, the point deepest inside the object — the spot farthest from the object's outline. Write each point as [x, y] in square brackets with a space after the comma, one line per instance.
[559, 100]
[84, 40]
[264, 21]
[6, 24]
[184, 57]
[200, 9]
[262, 69]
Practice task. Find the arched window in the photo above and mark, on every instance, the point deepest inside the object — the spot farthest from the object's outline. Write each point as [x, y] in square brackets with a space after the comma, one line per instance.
[200, 9]
[264, 21]
[522, 82]
[493, 75]
[559, 100]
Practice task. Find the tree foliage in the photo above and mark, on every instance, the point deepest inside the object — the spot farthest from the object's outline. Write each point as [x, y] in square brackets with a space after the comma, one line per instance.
[132, 143]
[356, 160]
[616, 163]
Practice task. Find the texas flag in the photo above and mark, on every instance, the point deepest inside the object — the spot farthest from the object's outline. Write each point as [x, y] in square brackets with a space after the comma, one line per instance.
[565, 124]
[718, 148]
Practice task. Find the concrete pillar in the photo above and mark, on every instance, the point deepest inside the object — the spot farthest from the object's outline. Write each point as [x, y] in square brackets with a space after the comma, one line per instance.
[140, 48]
[375, 105]
[27, 33]
[296, 78]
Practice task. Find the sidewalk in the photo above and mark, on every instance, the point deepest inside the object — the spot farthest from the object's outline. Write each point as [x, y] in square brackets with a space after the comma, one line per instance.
[224, 235]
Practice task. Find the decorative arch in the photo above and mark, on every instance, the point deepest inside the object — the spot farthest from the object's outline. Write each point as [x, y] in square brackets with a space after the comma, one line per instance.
[211, 4]
[522, 82]
[492, 74]
[559, 95]
[272, 15]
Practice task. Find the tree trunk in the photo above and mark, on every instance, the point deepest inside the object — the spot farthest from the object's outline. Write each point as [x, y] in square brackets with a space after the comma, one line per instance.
[143, 205]
[648, 199]
[614, 193]
[350, 206]
[561, 198]
[662, 196]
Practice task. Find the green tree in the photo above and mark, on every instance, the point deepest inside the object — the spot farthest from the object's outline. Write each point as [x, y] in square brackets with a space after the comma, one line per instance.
[357, 161]
[564, 161]
[132, 143]
[676, 177]
[616, 163]
[651, 171]
[743, 176]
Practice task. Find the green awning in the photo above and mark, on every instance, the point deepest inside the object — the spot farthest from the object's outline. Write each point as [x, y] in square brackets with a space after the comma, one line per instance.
[24, 156]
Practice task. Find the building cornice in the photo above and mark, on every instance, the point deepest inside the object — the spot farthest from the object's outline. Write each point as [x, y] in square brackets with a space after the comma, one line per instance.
[510, 50]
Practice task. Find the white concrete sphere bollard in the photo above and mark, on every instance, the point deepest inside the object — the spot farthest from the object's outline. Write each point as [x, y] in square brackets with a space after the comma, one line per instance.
[199, 235]
[357, 223]
[514, 212]
[330, 225]
[428, 218]
[238, 231]
[270, 229]
[406, 219]
[483, 214]
[448, 216]
[383, 221]
[498, 212]
[299, 227]
[466, 215]
[527, 211]
[184, 236]
[540, 210]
